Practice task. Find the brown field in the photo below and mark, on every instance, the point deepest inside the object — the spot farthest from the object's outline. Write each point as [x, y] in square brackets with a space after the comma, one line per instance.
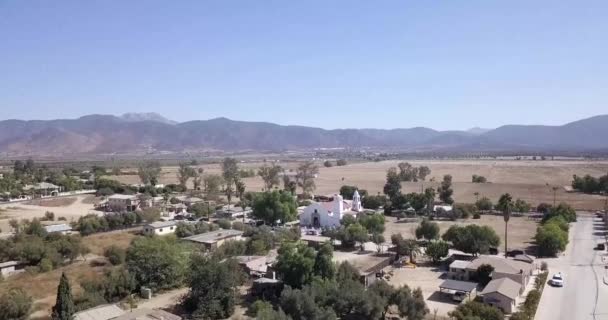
[97, 243]
[521, 229]
[53, 202]
[523, 179]
[43, 287]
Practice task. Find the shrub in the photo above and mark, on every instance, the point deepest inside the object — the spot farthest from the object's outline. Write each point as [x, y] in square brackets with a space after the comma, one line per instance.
[476, 216]
[224, 224]
[49, 216]
[115, 255]
[544, 266]
[46, 265]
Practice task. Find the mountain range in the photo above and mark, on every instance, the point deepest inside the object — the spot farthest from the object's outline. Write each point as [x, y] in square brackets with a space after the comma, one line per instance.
[135, 133]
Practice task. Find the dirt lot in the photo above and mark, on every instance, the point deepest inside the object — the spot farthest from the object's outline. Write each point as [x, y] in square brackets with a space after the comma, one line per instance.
[72, 209]
[523, 179]
[43, 287]
[53, 202]
[521, 229]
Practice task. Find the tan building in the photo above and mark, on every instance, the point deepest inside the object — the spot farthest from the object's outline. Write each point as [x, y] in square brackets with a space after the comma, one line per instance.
[515, 270]
[214, 239]
[502, 293]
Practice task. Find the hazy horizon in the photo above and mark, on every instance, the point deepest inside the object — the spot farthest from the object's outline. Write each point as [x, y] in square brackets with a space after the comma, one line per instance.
[339, 64]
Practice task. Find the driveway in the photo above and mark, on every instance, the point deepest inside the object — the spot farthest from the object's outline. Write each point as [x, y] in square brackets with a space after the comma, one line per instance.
[584, 295]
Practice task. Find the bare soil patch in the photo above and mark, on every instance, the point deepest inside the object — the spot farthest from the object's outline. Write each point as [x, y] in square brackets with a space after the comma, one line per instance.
[97, 243]
[523, 179]
[521, 229]
[54, 202]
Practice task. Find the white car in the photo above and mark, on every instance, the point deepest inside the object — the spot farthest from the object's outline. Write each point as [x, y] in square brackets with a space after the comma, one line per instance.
[557, 280]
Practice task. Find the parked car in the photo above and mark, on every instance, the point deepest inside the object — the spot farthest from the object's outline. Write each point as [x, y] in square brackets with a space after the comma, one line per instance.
[600, 246]
[459, 296]
[557, 280]
[514, 253]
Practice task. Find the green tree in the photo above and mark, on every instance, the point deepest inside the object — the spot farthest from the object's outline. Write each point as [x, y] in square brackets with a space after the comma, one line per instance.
[437, 250]
[305, 177]
[521, 206]
[392, 187]
[157, 263]
[115, 255]
[427, 230]
[353, 235]
[295, 264]
[213, 287]
[328, 164]
[378, 239]
[149, 172]
[373, 223]
[274, 206]
[472, 238]
[341, 162]
[324, 266]
[270, 175]
[550, 239]
[212, 183]
[476, 310]
[410, 303]
[478, 179]
[484, 204]
[184, 173]
[484, 274]
[505, 204]
[445, 189]
[15, 304]
[405, 247]
[64, 308]
[564, 210]
[374, 202]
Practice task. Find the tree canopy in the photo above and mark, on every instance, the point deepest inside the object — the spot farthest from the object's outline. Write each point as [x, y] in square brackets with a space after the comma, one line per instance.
[427, 230]
[472, 238]
[445, 190]
[274, 206]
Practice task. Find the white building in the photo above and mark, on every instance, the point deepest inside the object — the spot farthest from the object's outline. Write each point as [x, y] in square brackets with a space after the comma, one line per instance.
[160, 228]
[329, 214]
[62, 228]
[127, 201]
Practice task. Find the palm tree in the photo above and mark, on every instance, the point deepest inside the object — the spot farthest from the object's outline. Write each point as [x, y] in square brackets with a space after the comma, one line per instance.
[505, 204]
[412, 249]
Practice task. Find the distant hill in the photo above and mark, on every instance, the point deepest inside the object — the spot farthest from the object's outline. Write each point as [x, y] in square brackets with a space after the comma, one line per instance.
[133, 133]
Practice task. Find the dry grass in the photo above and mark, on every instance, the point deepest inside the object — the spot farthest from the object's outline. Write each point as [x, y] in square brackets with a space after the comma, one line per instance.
[523, 179]
[91, 199]
[43, 287]
[97, 243]
[55, 202]
[521, 229]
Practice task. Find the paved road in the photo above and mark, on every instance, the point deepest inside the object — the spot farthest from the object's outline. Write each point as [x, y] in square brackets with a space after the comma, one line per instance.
[585, 295]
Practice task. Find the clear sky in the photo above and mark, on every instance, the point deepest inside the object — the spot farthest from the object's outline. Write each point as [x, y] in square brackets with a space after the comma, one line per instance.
[326, 63]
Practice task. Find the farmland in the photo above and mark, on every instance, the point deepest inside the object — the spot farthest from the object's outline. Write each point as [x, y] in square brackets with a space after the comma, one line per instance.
[528, 180]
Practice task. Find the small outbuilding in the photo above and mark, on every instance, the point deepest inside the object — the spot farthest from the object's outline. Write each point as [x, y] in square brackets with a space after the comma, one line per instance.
[502, 293]
[452, 286]
[62, 228]
[214, 239]
[160, 228]
[10, 267]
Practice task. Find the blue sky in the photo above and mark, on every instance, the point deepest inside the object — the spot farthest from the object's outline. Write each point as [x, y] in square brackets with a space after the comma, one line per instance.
[330, 64]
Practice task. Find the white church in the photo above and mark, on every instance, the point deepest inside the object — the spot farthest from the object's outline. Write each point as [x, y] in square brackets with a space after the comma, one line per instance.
[329, 214]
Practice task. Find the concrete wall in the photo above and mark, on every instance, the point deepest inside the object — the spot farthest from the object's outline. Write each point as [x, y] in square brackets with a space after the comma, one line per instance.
[502, 302]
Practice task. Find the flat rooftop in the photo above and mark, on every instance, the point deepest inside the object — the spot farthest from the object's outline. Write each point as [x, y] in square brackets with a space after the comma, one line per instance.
[214, 236]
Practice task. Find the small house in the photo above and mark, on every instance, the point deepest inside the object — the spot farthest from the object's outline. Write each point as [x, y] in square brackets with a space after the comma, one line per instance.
[503, 294]
[119, 202]
[214, 239]
[62, 228]
[10, 267]
[160, 228]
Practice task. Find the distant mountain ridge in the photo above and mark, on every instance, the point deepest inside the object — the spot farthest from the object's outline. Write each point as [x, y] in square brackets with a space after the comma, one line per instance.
[132, 133]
